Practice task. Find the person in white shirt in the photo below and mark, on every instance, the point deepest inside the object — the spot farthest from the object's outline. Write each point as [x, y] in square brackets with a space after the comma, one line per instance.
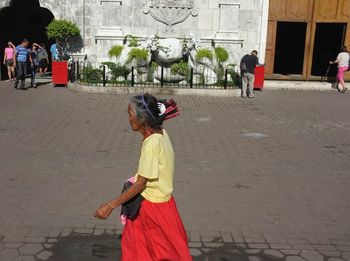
[343, 63]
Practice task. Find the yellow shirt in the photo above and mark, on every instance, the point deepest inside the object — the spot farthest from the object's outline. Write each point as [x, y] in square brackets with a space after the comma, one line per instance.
[157, 165]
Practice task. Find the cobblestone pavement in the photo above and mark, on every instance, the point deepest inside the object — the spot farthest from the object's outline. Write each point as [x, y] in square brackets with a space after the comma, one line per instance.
[258, 179]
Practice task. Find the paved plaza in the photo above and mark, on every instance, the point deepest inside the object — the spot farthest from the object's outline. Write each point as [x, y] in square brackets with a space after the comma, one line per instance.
[256, 179]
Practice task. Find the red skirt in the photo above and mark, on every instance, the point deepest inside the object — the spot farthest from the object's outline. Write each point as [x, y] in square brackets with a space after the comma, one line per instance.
[156, 234]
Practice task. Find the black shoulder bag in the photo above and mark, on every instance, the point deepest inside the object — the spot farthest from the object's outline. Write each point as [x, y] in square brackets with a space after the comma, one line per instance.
[131, 208]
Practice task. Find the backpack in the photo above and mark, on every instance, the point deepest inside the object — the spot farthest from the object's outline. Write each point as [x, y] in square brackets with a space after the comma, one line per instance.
[349, 63]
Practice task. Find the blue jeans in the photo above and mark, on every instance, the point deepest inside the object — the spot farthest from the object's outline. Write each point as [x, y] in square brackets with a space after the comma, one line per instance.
[21, 73]
[33, 71]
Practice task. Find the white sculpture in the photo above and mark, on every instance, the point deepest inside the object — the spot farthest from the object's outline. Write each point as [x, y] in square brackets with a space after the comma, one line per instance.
[166, 51]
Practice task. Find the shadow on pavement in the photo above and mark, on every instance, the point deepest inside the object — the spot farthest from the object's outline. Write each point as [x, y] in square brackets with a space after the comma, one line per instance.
[229, 253]
[86, 248]
[107, 247]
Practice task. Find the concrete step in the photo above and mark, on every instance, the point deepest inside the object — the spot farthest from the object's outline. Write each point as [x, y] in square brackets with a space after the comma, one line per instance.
[299, 85]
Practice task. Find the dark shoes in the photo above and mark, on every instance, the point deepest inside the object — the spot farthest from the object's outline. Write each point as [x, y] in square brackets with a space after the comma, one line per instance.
[344, 90]
[22, 87]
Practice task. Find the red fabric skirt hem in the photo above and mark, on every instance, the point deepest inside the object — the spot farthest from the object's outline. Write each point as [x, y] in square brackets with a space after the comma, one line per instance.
[157, 234]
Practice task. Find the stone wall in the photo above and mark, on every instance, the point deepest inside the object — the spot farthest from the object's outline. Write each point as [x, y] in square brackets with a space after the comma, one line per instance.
[240, 26]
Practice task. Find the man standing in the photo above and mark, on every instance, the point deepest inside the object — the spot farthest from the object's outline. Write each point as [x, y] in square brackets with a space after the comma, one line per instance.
[20, 62]
[35, 63]
[248, 64]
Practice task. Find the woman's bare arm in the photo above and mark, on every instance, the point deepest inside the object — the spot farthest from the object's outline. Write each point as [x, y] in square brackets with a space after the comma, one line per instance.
[11, 44]
[38, 45]
[106, 209]
[334, 62]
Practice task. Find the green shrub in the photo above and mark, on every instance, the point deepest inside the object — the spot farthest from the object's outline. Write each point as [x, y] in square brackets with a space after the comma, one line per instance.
[204, 53]
[117, 70]
[236, 77]
[133, 42]
[154, 67]
[115, 51]
[140, 54]
[221, 54]
[180, 68]
[62, 31]
[92, 75]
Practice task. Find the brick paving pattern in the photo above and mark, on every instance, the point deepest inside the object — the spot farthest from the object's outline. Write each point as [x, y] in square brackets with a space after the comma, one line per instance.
[261, 179]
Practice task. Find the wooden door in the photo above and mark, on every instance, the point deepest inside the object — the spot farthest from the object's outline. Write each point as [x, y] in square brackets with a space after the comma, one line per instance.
[328, 11]
[291, 11]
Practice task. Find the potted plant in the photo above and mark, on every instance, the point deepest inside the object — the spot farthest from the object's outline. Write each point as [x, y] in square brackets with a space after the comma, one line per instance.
[61, 31]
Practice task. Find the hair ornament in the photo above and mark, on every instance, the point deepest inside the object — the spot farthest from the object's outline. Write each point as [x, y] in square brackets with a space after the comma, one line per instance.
[162, 108]
[171, 109]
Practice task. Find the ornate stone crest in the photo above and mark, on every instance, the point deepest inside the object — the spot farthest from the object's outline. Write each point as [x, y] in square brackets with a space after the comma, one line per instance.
[170, 12]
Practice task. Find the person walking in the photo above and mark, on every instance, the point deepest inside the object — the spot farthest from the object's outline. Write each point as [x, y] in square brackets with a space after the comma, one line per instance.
[248, 64]
[343, 60]
[156, 232]
[34, 64]
[21, 63]
[43, 58]
[9, 61]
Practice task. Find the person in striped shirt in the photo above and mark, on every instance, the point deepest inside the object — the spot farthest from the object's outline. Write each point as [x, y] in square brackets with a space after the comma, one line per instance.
[21, 63]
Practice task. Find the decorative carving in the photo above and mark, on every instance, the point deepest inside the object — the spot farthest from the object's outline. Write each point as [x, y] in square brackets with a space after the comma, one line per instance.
[346, 9]
[326, 9]
[278, 9]
[298, 9]
[170, 12]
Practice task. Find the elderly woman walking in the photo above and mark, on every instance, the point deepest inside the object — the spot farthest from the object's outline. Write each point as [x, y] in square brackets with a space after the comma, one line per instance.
[153, 227]
[343, 63]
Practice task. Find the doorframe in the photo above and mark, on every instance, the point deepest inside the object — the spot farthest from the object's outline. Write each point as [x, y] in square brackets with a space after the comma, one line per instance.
[302, 76]
[312, 44]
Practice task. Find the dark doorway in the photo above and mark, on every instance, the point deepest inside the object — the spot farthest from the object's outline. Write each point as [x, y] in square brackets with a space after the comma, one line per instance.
[23, 19]
[329, 37]
[290, 48]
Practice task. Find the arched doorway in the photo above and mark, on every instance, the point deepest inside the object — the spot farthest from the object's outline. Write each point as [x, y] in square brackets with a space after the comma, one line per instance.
[23, 19]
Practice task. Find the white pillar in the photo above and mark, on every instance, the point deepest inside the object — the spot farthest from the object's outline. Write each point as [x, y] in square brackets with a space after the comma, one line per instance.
[263, 30]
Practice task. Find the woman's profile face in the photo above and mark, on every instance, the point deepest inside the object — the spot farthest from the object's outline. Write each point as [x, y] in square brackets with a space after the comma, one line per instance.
[134, 122]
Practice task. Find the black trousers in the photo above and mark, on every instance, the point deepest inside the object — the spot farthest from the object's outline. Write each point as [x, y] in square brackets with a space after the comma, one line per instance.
[22, 68]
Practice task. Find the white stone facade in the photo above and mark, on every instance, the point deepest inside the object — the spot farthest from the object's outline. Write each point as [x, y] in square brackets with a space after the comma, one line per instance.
[238, 25]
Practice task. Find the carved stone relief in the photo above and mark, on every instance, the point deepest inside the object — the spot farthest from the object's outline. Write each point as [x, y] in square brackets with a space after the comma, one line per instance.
[229, 18]
[111, 13]
[170, 12]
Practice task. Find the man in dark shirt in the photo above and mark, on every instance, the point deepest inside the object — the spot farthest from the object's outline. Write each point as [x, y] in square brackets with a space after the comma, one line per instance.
[248, 64]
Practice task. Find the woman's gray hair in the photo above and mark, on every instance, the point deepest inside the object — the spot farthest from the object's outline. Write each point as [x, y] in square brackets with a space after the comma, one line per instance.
[146, 109]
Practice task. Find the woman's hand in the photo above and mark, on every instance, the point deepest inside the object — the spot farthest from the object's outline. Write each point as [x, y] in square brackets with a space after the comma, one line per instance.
[104, 211]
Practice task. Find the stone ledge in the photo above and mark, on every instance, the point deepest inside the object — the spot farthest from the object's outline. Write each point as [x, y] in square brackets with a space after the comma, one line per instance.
[154, 90]
[299, 85]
